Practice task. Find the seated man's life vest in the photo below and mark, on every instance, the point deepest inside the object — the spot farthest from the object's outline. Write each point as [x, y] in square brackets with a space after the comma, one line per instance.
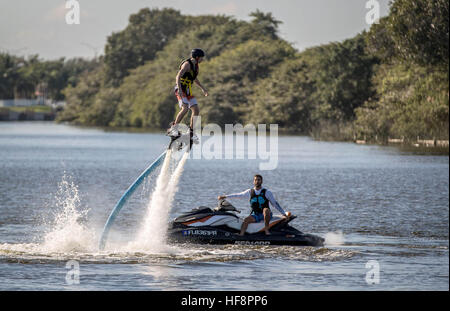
[259, 201]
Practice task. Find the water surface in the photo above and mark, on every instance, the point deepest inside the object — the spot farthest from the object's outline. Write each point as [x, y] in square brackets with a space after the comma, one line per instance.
[58, 184]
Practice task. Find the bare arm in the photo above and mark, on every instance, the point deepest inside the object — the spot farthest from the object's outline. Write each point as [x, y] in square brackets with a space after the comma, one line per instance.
[201, 87]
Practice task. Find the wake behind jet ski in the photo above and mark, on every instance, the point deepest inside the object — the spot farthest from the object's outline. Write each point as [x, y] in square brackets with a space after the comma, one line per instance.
[221, 225]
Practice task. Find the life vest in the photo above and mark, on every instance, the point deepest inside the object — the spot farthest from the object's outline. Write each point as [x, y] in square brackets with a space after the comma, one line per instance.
[259, 201]
[188, 77]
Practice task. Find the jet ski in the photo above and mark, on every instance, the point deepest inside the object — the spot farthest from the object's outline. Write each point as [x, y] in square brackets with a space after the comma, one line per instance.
[221, 225]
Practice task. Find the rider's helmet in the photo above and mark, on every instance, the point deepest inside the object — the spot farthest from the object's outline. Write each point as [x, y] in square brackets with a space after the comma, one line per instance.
[197, 53]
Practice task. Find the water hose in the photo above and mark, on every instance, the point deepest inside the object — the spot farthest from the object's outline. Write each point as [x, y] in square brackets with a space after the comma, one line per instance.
[125, 197]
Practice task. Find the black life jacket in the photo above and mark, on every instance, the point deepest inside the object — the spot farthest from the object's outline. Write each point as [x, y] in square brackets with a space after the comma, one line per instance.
[188, 77]
[259, 201]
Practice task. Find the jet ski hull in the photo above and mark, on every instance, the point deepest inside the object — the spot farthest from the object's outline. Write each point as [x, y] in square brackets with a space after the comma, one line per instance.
[203, 225]
[218, 235]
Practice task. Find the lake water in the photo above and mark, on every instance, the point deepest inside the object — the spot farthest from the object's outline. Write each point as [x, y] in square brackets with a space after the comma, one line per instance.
[378, 208]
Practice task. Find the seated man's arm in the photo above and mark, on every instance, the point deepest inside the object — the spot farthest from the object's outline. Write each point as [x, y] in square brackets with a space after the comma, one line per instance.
[274, 203]
[242, 194]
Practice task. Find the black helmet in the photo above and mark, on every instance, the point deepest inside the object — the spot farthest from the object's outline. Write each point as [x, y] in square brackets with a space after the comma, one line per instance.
[197, 53]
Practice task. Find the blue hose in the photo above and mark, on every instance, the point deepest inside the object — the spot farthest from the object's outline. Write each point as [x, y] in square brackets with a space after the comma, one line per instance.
[125, 197]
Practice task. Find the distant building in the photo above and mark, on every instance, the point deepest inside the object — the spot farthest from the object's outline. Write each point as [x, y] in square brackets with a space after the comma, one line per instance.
[31, 102]
[28, 109]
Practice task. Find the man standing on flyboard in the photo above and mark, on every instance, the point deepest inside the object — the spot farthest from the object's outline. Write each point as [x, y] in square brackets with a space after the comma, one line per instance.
[186, 76]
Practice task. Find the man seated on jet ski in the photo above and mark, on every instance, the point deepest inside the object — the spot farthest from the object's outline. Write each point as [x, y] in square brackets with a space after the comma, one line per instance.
[259, 201]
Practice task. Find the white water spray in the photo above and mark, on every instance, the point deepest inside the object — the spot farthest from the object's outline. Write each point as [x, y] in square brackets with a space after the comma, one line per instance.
[67, 233]
[153, 234]
[334, 238]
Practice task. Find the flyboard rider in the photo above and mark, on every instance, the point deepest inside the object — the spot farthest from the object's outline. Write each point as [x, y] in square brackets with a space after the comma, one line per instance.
[187, 75]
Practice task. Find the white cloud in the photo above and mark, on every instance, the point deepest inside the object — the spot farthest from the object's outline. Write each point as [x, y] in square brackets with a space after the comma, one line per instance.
[56, 14]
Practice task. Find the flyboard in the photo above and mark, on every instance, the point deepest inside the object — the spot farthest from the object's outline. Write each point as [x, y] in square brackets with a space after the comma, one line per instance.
[177, 142]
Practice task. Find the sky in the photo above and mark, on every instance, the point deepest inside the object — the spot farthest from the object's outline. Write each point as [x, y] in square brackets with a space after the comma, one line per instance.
[39, 27]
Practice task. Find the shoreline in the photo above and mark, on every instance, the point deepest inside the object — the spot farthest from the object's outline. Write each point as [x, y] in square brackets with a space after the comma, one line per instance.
[32, 113]
[429, 147]
[415, 148]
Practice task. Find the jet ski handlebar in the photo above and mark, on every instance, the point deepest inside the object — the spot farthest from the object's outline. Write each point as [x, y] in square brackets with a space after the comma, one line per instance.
[226, 206]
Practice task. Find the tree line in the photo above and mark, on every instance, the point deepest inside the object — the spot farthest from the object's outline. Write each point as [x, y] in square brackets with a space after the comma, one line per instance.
[391, 81]
[21, 77]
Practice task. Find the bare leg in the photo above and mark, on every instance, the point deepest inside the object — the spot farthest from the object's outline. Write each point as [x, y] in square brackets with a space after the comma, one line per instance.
[182, 113]
[266, 213]
[195, 113]
[245, 224]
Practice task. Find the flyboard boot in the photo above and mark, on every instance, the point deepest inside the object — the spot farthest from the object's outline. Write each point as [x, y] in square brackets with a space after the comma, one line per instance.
[180, 139]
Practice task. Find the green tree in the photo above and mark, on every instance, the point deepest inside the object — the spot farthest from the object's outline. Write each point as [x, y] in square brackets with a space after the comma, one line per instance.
[342, 74]
[379, 41]
[147, 33]
[412, 101]
[231, 77]
[80, 98]
[415, 30]
[283, 98]
[8, 75]
[266, 22]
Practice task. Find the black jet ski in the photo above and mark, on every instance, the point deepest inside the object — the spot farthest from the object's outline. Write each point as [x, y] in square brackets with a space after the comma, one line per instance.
[221, 225]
